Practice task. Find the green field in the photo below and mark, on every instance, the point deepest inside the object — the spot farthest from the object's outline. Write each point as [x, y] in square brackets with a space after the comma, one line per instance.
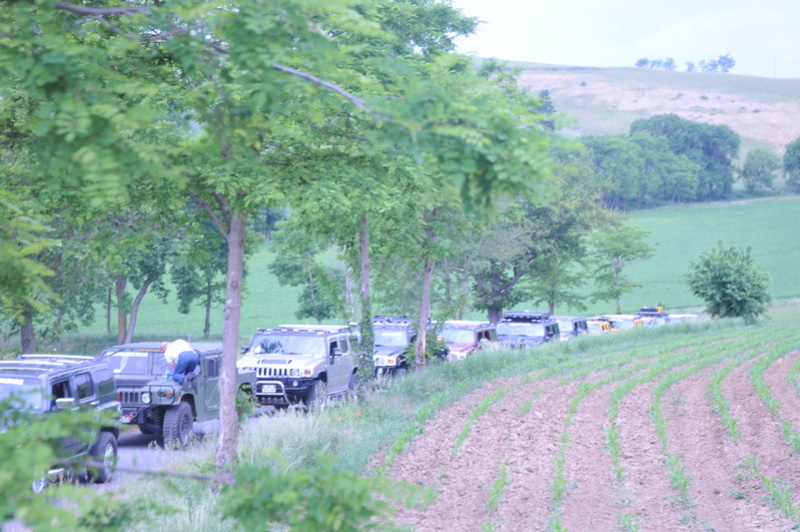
[678, 233]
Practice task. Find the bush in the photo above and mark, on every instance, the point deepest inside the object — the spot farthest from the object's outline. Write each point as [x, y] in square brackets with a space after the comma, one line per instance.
[730, 283]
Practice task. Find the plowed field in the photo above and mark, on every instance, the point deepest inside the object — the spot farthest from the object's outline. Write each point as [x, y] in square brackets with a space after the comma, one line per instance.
[699, 432]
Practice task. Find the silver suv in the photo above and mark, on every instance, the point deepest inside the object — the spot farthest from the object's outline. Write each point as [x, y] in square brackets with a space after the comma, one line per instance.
[301, 363]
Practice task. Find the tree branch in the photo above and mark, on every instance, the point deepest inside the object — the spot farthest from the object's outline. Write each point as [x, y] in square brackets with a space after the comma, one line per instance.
[99, 12]
[214, 218]
[358, 102]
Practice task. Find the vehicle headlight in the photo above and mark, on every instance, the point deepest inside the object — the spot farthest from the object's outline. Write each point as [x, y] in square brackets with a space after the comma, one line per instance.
[294, 372]
[146, 398]
[390, 362]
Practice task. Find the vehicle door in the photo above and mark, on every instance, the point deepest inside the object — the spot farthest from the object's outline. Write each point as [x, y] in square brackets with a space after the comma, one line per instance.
[337, 365]
[208, 386]
[65, 387]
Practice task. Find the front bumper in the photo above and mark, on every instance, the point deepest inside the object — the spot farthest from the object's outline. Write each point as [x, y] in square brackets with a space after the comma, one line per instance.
[281, 392]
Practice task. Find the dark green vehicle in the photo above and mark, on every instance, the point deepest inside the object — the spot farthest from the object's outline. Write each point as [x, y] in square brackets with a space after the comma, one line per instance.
[159, 405]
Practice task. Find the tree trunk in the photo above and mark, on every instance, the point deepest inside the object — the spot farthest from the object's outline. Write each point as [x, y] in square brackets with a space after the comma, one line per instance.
[495, 314]
[27, 333]
[122, 319]
[424, 314]
[108, 312]
[135, 309]
[209, 294]
[551, 307]
[228, 418]
[366, 363]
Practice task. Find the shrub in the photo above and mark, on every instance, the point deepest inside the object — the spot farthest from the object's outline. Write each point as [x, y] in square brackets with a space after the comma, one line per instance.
[730, 283]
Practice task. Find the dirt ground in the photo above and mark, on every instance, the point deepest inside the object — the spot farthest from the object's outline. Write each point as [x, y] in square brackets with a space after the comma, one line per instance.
[772, 123]
[502, 475]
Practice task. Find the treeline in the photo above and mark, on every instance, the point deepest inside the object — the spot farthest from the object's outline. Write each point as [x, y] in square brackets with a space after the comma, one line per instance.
[723, 64]
[668, 159]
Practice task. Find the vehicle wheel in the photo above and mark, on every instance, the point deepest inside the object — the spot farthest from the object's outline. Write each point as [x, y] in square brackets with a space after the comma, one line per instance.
[400, 372]
[40, 485]
[105, 451]
[317, 396]
[178, 422]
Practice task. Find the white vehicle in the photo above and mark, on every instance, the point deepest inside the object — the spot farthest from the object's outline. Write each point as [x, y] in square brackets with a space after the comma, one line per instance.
[301, 363]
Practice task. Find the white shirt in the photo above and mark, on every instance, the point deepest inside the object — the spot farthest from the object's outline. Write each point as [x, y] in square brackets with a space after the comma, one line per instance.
[174, 349]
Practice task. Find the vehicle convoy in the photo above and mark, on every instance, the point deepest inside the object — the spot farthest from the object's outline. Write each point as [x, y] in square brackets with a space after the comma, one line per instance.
[301, 363]
[393, 338]
[463, 337]
[571, 326]
[48, 383]
[159, 405]
[526, 328]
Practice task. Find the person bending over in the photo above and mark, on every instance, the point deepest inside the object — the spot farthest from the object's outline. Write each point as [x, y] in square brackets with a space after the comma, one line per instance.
[181, 357]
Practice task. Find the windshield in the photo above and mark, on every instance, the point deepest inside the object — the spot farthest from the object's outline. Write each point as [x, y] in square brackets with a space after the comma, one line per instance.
[391, 338]
[27, 391]
[132, 363]
[520, 328]
[458, 336]
[288, 345]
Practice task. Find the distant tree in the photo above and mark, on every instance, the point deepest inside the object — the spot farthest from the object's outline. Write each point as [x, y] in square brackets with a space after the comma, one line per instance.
[758, 170]
[791, 164]
[726, 63]
[656, 63]
[712, 147]
[730, 283]
[690, 66]
[642, 63]
[669, 64]
[547, 108]
[614, 247]
[617, 161]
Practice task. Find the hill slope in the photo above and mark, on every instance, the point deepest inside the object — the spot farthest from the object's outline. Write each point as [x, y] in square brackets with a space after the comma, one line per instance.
[763, 111]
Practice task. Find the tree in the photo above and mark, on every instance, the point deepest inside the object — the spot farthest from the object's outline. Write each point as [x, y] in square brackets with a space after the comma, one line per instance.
[712, 147]
[690, 66]
[730, 283]
[726, 63]
[615, 246]
[758, 170]
[669, 64]
[791, 164]
[642, 63]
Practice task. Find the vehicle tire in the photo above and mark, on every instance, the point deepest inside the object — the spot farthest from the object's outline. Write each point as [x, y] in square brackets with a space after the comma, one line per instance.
[105, 451]
[400, 372]
[317, 396]
[178, 421]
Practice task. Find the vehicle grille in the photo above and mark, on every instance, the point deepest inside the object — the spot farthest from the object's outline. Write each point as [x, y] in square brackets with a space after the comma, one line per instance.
[128, 397]
[272, 372]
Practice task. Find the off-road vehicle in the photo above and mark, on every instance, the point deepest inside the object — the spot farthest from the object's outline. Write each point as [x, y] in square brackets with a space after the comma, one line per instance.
[463, 337]
[571, 327]
[622, 321]
[48, 383]
[159, 405]
[527, 328]
[393, 338]
[301, 363]
[654, 315]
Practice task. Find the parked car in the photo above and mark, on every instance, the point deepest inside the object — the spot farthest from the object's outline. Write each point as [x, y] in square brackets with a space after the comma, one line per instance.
[526, 328]
[622, 321]
[463, 337]
[51, 382]
[301, 363]
[598, 326]
[571, 326]
[393, 338]
[159, 405]
[654, 315]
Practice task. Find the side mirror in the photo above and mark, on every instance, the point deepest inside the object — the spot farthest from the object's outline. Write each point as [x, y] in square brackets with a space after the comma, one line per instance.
[336, 352]
[64, 403]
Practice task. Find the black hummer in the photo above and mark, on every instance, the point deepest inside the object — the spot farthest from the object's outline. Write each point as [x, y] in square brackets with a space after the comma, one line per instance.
[48, 383]
[525, 328]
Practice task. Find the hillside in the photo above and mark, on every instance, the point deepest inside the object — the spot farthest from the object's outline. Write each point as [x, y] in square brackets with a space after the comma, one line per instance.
[763, 111]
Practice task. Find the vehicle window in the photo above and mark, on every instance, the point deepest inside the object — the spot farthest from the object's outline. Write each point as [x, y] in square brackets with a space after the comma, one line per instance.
[130, 363]
[520, 328]
[83, 384]
[28, 391]
[212, 367]
[345, 345]
[105, 382]
[391, 338]
[287, 345]
[458, 336]
[60, 390]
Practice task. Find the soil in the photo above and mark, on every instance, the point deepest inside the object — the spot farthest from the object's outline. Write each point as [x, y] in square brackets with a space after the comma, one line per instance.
[609, 104]
[501, 476]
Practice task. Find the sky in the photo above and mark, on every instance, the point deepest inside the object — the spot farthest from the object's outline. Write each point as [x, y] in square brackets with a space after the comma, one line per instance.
[763, 36]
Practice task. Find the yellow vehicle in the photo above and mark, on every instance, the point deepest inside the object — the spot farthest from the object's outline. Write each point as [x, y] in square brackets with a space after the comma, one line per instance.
[598, 326]
[623, 321]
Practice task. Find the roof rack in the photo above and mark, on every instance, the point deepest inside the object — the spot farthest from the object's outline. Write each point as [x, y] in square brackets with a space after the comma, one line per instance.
[58, 358]
[526, 315]
[307, 329]
[392, 319]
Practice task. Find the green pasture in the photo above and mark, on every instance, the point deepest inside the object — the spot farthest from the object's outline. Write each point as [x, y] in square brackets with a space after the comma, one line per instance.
[679, 234]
